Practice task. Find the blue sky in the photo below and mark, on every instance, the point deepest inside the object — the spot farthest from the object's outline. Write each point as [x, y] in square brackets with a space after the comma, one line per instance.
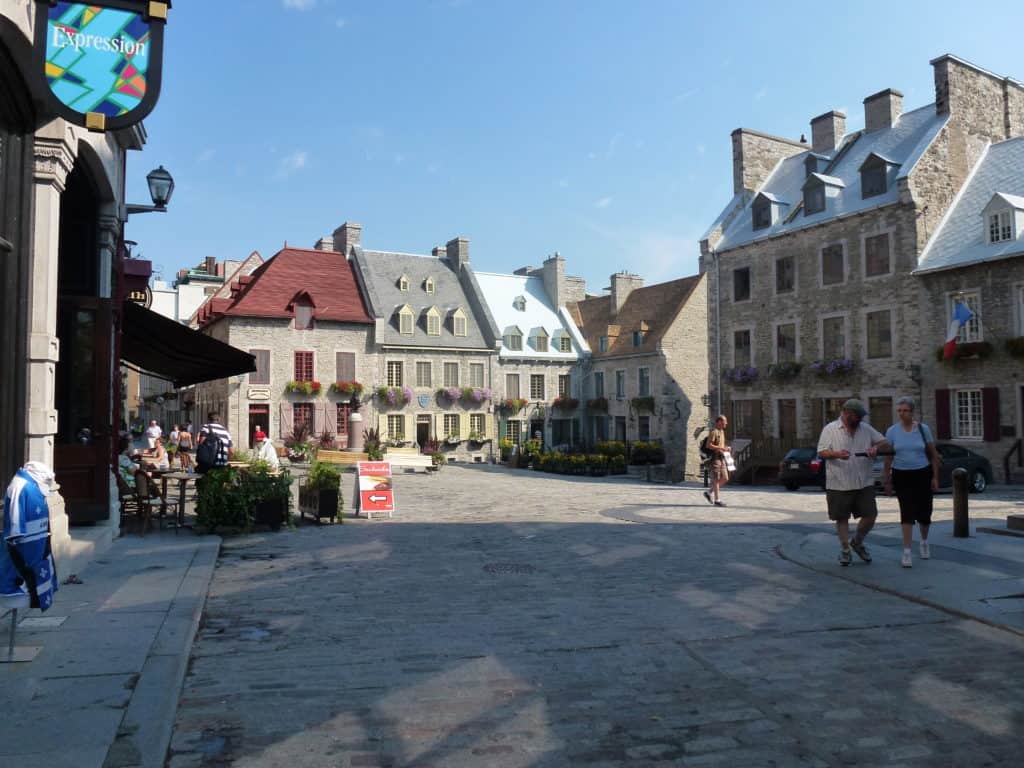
[597, 129]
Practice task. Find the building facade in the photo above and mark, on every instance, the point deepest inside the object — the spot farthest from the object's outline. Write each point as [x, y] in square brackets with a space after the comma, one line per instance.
[811, 292]
[646, 378]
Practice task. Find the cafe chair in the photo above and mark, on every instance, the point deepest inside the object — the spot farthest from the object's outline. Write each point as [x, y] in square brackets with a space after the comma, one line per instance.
[127, 499]
[147, 495]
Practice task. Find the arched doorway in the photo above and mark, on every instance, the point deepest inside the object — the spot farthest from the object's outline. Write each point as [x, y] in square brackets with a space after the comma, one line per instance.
[83, 385]
[17, 119]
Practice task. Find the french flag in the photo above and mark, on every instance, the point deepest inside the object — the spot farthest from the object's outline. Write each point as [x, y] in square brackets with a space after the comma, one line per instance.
[961, 316]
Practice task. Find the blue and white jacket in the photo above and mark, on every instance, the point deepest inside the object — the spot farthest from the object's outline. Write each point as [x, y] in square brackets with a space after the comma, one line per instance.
[26, 562]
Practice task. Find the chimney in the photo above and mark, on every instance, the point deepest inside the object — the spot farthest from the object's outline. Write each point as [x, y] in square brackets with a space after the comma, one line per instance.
[554, 280]
[623, 284]
[324, 244]
[882, 109]
[347, 235]
[210, 265]
[439, 252]
[458, 253]
[754, 156]
[827, 131]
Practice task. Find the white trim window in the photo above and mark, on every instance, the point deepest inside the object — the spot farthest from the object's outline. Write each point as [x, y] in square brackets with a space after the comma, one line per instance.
[451, 374]
[451, 425]
[1000, 227]
[424, 374]
[396, 426]
[405, 321]
[971, 330]
[477, 424]
[967, 416]
[536, 386]
[395, 378]
[514, 340]
[512, 385]
[476, 374]
[433, 322]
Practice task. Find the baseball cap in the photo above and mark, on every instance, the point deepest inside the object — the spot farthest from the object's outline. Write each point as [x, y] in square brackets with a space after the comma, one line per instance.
[261, 435]
[856, 406]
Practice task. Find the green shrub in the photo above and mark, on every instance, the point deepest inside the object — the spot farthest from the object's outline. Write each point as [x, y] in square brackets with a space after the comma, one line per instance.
[220, 501]
[323, 475]
[611, 448]
[647, 453]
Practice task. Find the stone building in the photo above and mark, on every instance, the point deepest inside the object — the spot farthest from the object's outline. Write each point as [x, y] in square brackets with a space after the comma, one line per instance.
[810, 286]
[540, 354]
[434, 343]
[977, 257]
[302, 315]
[647, 375]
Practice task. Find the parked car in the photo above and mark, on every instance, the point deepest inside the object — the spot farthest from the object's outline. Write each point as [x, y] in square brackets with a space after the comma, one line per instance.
[979, 469]
[801, 466]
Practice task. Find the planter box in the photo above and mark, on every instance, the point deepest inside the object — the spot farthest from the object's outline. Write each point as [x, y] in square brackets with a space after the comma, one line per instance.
[318, 503]
[271, 513]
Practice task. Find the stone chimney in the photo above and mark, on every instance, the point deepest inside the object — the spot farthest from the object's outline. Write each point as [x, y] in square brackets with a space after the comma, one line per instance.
[554, 280]
[210, 265]
[458, 253]
[623, 284]
[346, 236]
[827, 131]
[755, 155]
[882, 109]
[324, 244]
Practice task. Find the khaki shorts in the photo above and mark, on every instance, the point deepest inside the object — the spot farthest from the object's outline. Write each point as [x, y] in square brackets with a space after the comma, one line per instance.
[717, 471]
[842, 505]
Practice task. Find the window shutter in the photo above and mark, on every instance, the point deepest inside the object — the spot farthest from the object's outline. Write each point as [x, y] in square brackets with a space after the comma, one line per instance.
[382, 426]
[286, 421]
[942, 425]
[990, 414]
[408, 427]
[346, 366]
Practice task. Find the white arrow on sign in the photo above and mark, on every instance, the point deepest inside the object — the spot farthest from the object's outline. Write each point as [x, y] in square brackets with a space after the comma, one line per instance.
[374, 497]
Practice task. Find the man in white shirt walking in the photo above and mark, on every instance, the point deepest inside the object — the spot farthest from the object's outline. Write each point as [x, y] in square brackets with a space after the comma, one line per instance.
[850, 447]
[152, 433]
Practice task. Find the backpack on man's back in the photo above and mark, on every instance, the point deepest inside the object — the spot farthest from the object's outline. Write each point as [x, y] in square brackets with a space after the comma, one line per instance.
[208, 451]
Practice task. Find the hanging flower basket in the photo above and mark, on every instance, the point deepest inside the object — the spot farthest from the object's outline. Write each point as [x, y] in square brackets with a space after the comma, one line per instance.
[979, 350]
[475, 395]
[565, 403]
[513, 405]
[393, 395]
[449, 394]
[787, 370]
[840, 366]
[347, 388]
[598, 404]
[741, 374]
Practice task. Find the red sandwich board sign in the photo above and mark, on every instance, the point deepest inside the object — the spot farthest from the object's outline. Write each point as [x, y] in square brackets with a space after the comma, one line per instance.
[375, 490]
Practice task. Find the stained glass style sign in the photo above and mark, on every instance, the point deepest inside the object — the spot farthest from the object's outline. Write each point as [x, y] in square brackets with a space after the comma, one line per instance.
[101, 61]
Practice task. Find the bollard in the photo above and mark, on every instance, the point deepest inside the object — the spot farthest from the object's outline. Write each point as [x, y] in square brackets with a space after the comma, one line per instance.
[961, 519]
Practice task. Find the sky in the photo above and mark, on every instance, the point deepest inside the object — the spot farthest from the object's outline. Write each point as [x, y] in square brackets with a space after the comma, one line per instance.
[600, 130]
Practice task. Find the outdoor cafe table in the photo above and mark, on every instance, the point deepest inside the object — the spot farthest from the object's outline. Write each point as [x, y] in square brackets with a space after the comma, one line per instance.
[182, 478]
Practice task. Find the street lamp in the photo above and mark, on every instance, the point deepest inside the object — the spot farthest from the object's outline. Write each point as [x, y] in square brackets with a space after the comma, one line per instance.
[161, 187]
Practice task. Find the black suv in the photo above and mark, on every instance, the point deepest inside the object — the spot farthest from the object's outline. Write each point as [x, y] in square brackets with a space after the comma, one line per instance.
[801, 466]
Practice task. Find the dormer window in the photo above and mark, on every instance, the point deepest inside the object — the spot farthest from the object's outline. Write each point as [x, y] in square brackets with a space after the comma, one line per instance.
[874, 175]
[433, 322]
[814, 199]
[762, 214]
[564, 343]
[303, 309]
[403, 283]
[459, 323]
[428, 285]
[602, 344]
[519, 303]
[1000, 226]
[405, 320]
[814, 163]
[539, 339]
[513, 339]
[1003, 217]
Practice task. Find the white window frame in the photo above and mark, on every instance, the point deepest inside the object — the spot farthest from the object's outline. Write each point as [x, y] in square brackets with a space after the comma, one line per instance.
[473, 380]
[564, 385]
[845, 316]
[433, 322]
[890, 233]
[460, 323]
[451, 425]
[752, 329]
[445, 381]
[1004, 223]
[519, 385]
[962, 400]
[640, 381]
[620, 378]
[892, 331]
[399, 419]
[428, 285]
[775, 338]
[973, 330]
[775, 276]
[430, 373]
[478, 420]
[395, 365]
[516, 336]
[821, 264]
[543, 386]
[403, 283]
[406, 320]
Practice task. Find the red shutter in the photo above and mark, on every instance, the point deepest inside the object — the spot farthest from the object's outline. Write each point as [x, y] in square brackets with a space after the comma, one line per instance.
[942, 426]
[990, 413]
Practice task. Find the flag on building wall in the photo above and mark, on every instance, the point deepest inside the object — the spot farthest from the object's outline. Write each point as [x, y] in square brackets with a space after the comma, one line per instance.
[961, 316]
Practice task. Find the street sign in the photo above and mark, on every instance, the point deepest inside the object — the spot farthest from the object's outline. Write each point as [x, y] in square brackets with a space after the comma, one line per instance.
[375, 490]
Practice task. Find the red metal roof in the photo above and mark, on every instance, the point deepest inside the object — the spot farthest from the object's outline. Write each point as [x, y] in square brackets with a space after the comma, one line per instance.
[326, 276]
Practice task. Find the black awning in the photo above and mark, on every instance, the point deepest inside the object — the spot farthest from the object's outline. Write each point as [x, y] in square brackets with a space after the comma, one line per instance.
[175, 352]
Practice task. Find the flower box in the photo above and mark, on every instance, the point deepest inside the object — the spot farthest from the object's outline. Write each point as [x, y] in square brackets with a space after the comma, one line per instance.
[742, 374]
[565, 403]
[303, 387]
[643, 404]
[598, 404]
[840, 366]
[395, 396]
[787, 370]
[347, 388]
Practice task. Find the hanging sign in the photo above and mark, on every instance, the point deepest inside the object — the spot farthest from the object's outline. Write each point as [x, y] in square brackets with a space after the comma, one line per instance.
[101, 61]
[375, 491]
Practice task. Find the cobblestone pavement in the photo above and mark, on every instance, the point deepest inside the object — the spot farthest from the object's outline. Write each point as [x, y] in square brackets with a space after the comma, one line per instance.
[504, 619]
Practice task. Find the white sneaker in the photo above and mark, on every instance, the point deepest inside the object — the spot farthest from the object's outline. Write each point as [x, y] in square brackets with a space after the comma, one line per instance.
[906, 562]
[925, 552]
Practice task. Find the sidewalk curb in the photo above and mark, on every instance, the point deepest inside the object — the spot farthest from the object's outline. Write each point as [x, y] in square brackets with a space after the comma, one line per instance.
[844, 575]
[144, 735]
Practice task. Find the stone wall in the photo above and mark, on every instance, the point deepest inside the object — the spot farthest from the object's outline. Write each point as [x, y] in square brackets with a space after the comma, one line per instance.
[755, 155]
[998, 284]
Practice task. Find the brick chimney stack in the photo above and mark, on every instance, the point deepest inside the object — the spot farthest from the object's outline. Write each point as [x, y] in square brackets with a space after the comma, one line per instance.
[346, 236]
[882, 109]
[324, 244]
[554, 279]
[623, 284]
[827, 131]
[457, 251]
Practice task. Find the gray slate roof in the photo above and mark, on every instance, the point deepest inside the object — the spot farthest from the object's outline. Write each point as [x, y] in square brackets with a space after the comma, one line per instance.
[381, 270]
[902, 144]
[960, 239]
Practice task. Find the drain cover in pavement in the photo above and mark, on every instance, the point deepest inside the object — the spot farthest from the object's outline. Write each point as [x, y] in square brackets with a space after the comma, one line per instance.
[505, 569]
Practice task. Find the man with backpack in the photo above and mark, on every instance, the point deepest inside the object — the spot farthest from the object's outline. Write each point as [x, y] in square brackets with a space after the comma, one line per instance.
[213, 444]
[715, 446]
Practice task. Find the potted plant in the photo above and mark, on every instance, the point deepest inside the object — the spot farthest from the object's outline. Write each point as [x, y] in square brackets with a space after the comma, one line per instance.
[220, 502]
[320, 496]
[514, 405]
[840, 366]
[298, 443]
[437, 460]
[269, 495]
[477, 438]
[393, 396]
[449, 394]
[372, 444]
[475, 395]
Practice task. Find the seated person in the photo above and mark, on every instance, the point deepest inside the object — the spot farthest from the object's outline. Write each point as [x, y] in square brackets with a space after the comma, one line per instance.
[265, 451]
[126, 468]
[157, 458]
